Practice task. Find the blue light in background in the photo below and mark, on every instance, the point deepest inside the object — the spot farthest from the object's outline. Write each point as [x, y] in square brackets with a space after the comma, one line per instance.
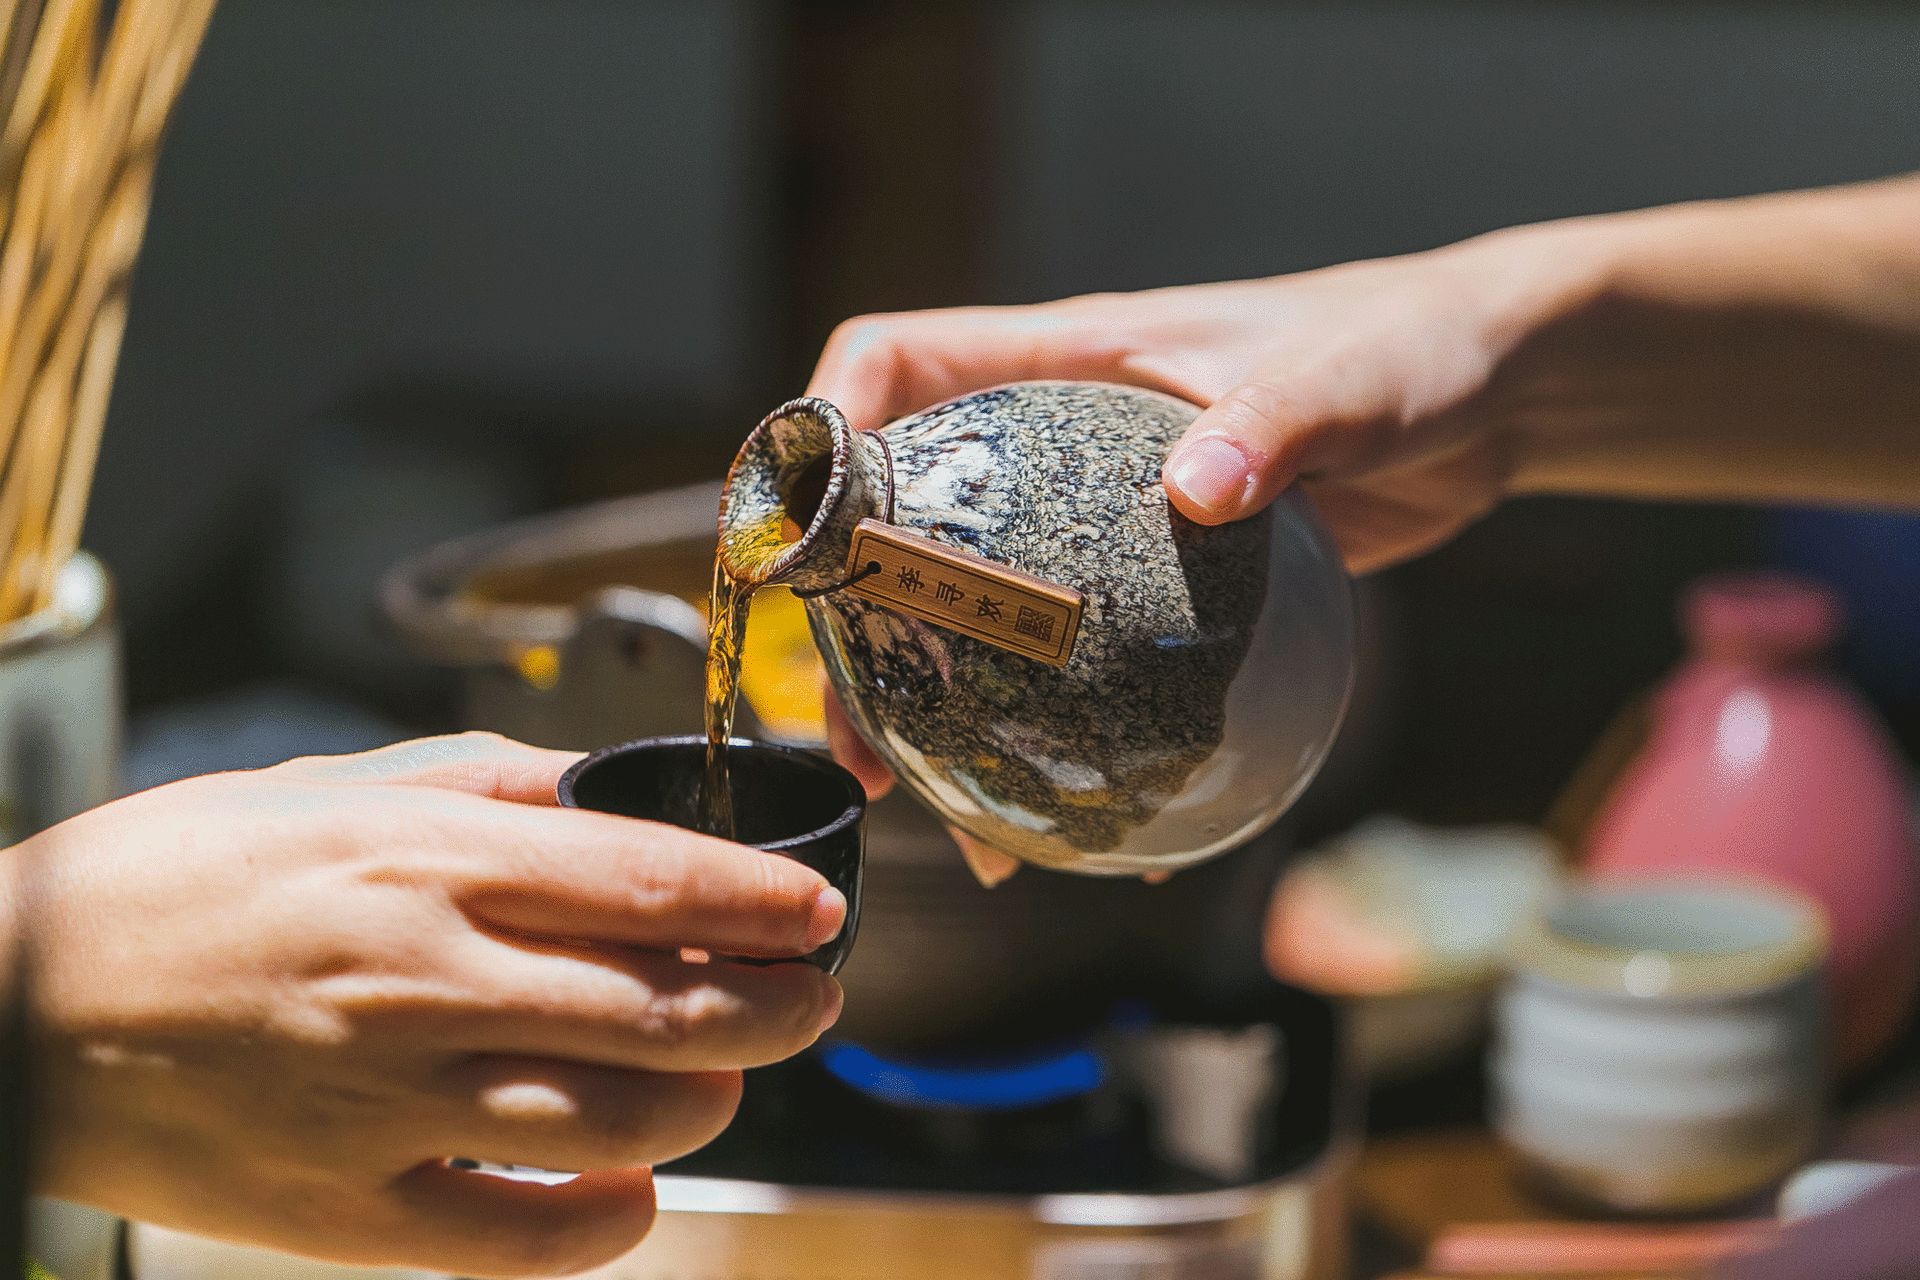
[986, 1085]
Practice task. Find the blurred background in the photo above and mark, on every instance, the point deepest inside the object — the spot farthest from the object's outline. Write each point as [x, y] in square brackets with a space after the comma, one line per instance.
[418, 268]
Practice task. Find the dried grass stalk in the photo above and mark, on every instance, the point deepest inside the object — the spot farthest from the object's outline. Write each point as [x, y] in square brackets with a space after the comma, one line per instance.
[83, 107]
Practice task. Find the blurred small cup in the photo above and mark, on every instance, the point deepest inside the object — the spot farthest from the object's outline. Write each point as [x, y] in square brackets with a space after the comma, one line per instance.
[1409, 926]
[1661, 1045]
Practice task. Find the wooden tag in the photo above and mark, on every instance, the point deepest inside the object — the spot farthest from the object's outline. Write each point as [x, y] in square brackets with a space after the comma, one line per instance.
[965, 592]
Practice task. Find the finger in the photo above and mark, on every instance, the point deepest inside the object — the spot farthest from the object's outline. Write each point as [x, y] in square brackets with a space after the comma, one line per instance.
[877, 368]
[1253, 442]
[569, 873]
[990, 867]
[852, 751]
[477, 1224]
[483, 764]
[648, 1011]
[548, 1114]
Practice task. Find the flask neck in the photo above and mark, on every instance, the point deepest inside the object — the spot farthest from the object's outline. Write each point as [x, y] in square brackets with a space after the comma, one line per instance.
[801, 482]
[1767, 620]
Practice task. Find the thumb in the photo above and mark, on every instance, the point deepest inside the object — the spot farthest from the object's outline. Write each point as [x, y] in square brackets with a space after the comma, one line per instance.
[1255, 441]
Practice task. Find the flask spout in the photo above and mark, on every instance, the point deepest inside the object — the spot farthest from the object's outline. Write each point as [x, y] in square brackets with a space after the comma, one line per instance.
[801, 482]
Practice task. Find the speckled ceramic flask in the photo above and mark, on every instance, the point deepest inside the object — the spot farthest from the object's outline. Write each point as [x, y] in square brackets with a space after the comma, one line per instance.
[1045, 652]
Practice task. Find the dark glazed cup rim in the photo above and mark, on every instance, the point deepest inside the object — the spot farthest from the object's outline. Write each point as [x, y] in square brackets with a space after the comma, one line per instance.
[826, 770]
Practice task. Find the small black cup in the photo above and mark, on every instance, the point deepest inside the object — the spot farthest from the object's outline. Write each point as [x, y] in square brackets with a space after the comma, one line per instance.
[786, 801]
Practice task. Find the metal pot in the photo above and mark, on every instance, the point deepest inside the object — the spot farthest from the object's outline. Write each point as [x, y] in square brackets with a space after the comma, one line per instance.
[60, 705]
[579, 629]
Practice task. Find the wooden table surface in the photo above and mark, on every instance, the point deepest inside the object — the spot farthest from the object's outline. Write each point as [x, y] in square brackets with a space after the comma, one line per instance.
[1451, 1202]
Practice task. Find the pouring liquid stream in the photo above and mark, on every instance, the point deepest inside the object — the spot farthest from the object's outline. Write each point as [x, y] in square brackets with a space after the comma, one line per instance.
[739, 567]
[727, 608]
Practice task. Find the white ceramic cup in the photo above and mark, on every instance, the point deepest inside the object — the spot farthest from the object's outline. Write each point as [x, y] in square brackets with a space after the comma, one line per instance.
[1661, 1046]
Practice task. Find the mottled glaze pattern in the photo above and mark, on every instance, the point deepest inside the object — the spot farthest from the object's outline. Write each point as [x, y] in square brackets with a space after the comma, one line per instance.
[1181, 725]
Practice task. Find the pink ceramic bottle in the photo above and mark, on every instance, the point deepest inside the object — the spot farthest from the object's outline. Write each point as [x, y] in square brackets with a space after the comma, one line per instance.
[1760, 763]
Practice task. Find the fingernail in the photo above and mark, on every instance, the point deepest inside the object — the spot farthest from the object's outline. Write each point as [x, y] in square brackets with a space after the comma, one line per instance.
[1212, 473]
[828, 914]
[836, 1001]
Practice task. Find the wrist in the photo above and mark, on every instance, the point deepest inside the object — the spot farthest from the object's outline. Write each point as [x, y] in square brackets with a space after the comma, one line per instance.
[14, 875]
[1848, 253]
[1533, 291]
[37, 956]
[1842, 250]
[1527, 280]
[1640, 346]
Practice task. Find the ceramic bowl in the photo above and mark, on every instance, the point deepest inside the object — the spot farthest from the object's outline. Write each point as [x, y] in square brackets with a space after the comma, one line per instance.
[1661, 1046]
